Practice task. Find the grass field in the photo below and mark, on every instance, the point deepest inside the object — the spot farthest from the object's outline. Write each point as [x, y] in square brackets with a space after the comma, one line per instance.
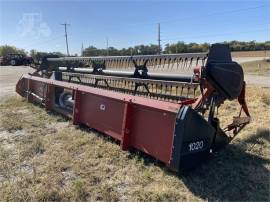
[251, 53]
[260, 67]
[43, 157]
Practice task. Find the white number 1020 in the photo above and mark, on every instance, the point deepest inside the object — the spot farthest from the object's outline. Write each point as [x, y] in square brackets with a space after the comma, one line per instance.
[195, 146]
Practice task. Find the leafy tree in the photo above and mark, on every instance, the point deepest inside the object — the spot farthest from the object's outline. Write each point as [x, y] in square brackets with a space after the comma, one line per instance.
[151, 49]
[6, 49]
[181, 47]
[37, 56]
[136, 50]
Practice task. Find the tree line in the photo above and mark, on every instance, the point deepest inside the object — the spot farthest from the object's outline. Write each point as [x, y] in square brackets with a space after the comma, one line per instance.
[36, 55]
[136, 50]
[179, 47]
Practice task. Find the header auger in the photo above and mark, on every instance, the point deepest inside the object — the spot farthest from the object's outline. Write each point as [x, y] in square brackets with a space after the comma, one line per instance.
[163, 105]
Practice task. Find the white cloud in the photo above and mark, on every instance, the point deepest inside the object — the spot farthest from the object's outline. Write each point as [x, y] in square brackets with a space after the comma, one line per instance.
[32, 25]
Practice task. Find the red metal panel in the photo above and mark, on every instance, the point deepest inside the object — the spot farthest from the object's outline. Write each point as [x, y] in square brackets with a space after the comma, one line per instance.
[126, 139]
[21, 87]
[138, 122]
[39, 88]
[76, 107]
[152, 131]
[49, 99]
[147, 129]
[102, 113]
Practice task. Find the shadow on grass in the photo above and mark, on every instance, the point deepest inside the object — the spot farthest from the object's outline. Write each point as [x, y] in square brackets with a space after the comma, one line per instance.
[233, 175]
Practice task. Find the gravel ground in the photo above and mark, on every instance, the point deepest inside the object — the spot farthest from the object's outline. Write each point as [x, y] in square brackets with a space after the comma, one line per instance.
[248, 59]
[9, 75]
[262, 81]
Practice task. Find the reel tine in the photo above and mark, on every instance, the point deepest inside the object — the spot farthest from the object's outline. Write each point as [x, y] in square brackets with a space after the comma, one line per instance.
[168, 63]
[177, 63]
[186, 62]
[159, 63]
[190, 64]
[182, 64]
[174, 64]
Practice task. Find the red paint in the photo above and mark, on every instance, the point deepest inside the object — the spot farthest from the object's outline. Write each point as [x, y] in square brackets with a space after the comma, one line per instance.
[138, 122]
[102, 113]
[152, 131]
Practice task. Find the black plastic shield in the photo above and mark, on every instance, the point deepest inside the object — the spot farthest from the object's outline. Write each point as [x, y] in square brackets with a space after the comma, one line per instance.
[192, 139]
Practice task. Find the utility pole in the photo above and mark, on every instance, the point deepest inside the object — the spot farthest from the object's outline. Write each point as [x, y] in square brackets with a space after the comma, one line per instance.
[82, 49]
[107, 45]
[65, 24]
[159, 47]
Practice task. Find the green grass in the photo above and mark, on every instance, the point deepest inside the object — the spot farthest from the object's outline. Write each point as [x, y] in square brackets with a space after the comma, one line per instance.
[43, 157]
[260, 67]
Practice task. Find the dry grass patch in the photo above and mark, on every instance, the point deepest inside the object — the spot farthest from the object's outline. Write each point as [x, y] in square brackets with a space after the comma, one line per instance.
[44, 157]
[260, 67]
[250, 53]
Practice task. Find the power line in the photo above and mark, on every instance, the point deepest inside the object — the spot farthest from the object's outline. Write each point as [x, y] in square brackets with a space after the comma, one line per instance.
[65, 24]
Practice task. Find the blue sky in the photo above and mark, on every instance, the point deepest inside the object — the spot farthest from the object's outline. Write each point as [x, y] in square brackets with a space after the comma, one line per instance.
[36, 24]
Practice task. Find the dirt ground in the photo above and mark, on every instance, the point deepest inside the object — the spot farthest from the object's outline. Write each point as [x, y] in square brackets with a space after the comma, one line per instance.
[9, 76]
[251, 54]
[248, 59]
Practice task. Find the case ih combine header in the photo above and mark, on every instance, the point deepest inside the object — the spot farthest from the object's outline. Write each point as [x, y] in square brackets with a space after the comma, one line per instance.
[163, 105]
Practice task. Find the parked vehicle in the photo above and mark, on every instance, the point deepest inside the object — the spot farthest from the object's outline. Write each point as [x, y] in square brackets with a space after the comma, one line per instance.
[16, 59]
